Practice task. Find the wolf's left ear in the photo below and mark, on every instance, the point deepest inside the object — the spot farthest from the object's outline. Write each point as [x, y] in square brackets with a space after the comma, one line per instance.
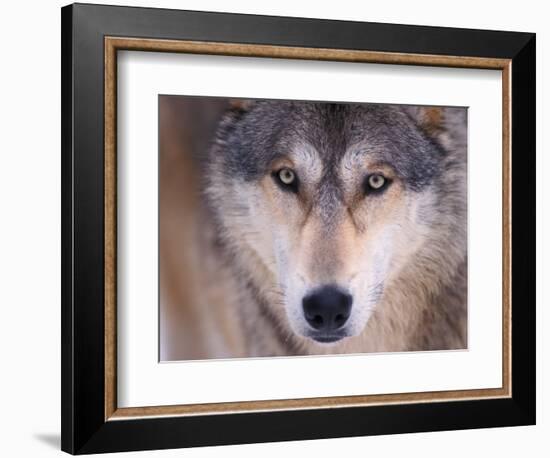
[447, 125]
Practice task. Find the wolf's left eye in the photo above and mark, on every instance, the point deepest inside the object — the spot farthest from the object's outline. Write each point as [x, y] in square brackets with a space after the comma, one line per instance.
[286, 178]
[375, 183]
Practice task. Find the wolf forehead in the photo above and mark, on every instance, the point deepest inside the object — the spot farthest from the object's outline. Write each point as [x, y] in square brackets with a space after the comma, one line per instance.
[251, 137]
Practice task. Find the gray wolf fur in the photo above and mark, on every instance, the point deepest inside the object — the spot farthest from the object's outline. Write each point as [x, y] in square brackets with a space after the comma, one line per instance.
[394, 254]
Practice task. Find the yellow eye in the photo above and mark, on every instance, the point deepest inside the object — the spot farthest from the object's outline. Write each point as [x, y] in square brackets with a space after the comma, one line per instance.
[376, 181]
[287, 176]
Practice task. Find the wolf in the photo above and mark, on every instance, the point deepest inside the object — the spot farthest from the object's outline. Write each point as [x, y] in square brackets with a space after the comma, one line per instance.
[343, 226]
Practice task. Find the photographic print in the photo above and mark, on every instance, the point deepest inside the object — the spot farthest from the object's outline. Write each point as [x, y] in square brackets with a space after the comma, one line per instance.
[281, 218]
[295, 228]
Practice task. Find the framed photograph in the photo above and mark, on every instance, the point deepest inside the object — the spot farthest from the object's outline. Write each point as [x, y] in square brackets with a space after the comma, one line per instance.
[280, 228]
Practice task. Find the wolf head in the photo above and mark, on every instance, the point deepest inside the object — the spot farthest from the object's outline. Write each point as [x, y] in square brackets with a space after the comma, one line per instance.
[323, 206]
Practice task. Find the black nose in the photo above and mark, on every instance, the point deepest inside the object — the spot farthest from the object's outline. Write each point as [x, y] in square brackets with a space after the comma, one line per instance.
[327, 308]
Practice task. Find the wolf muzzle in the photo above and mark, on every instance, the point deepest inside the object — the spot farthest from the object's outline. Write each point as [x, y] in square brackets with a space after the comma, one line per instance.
[327, 310]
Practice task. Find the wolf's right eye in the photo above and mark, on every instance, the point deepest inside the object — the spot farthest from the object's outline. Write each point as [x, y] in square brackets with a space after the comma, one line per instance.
[287, 179]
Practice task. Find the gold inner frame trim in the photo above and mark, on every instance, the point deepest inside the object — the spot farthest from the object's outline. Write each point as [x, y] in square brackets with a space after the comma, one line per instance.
[114, 44]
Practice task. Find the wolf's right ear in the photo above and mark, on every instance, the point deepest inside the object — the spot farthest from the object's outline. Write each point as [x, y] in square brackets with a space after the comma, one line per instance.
[240, 104]
[236, 110]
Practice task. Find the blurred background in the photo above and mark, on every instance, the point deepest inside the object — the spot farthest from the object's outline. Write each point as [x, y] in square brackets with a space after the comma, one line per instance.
[194, 323]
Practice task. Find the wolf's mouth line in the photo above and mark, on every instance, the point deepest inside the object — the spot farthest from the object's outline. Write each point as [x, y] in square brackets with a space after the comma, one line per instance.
[327, 338]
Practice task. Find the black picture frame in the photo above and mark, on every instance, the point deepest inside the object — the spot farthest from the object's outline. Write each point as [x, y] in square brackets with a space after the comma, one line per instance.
[84, 427]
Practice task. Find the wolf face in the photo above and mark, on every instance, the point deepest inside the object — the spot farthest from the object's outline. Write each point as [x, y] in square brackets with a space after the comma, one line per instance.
[322, 206]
